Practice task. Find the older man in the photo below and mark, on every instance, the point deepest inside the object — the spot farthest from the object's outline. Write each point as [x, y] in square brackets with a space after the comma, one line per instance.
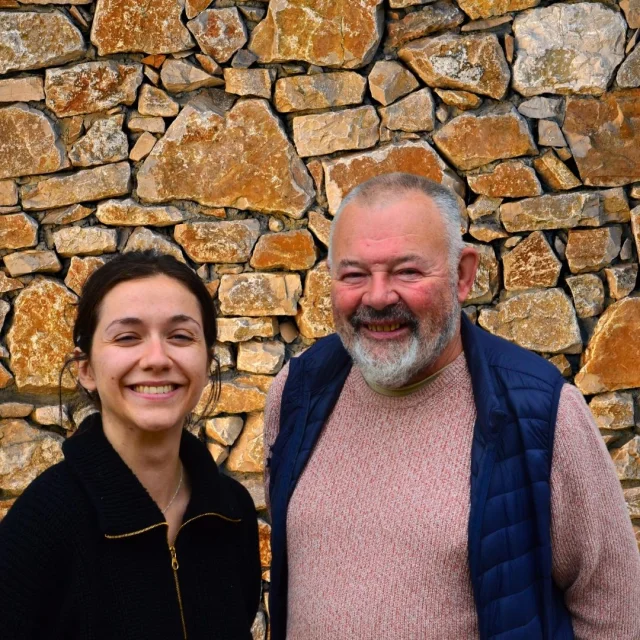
[414, 495]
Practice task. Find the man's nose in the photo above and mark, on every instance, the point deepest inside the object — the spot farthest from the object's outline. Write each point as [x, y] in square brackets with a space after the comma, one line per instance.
[380, 292]
[155, 354]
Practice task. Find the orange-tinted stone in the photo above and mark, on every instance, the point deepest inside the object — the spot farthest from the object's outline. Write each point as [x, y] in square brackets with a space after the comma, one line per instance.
[322, 32]
[612, 358]
[250, 162]
[18, 231]
[532, 263]
[290, 250]
[345, 173]
[218, 241]
[79, 271]
[510, 179]
[219, 32]
[139, 25]
[604, 136]
[315, 318]
[40, 339]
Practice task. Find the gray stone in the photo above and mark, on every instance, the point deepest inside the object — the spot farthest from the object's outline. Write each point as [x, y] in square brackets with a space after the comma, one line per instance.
[567, 48]
[588, 294]
[105, 142]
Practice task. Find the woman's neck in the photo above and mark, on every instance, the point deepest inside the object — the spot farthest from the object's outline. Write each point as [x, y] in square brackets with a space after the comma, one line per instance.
[152, 456]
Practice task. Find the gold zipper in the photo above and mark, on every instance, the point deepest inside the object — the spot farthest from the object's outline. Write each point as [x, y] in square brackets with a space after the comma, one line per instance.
[175, 566]
[172, 550]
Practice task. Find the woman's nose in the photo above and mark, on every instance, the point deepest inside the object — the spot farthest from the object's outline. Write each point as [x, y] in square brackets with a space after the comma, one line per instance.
[155, 354]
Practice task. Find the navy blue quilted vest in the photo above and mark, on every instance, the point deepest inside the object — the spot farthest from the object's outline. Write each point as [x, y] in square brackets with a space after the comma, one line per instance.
[516, 395]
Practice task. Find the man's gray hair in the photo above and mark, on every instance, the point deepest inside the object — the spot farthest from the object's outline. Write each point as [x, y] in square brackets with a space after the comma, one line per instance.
[389, 186]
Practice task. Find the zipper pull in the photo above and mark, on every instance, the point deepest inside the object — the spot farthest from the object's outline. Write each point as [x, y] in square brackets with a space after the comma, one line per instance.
[174, 558]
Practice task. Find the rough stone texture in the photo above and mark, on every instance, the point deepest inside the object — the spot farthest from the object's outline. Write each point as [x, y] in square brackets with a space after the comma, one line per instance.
[39, 339]
[25, 453]
[540, 320]
[588, 294]
[247, 454]
[33, 261]
[321, 32]
[631, 10]
[15, 409]
[472, 62]
[225, 429]
[592, 249]
[613, 410]
[389, 80]
[104, 142]
[242, 329]
[315, 319]
[219, 32]
[91, 86]
[259, 294]
[179, 75]
[142, 239]
[551, 212]
[236, 397]
[615, 205]
[510, 179]
[129, 213]
[541, 107]
[251, 164]
[18, 231]
[344, 130]
[28, 143]
[87, 241]
[612, 358]
[550, 135]
[8, 193]
[79, 271]
[413, 113]
[89, 184]
[319, 91]
[531, 264]
[476, 9]
[30, 40]
[486, 284]
[439, 16]
[155, 102]
[290, 250]
[462, 100]
[468, 141]
[621, 279]
[218, 241]
[265, 357]
[604, 136]
[626, 460]
[344, 173]
[9, 284]
[67, 215]
[248, 82]
[22, 89]
[138, 25]
[567, 48]
[143, 147]
[554, 173]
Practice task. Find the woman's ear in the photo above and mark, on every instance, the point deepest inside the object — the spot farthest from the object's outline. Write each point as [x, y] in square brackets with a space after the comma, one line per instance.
[85, 371]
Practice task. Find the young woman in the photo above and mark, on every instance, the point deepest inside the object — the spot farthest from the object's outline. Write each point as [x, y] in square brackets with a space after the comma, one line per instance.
[135, 535]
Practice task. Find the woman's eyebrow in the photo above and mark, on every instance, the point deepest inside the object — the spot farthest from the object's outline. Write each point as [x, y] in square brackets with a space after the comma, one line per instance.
[133, 321]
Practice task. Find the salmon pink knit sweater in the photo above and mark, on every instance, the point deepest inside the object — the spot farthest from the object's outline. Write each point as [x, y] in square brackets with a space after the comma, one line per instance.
[377, 525]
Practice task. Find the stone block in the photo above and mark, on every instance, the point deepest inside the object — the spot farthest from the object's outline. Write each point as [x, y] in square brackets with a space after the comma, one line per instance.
[260, 294]
[218, 241]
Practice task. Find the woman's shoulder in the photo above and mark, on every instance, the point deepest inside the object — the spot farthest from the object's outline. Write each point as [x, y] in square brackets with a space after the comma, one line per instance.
[49, 505]
[237, 495]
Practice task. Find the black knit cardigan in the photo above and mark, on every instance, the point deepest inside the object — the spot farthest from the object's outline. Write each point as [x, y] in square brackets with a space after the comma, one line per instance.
[84, 553]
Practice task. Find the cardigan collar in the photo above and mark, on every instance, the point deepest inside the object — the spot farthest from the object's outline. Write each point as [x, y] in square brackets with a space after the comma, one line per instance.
[122, 503]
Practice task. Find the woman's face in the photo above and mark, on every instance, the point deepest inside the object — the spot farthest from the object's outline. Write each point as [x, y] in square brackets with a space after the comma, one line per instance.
[148, 360]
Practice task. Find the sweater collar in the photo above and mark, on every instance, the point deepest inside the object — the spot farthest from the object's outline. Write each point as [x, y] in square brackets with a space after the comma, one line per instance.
[122, 504]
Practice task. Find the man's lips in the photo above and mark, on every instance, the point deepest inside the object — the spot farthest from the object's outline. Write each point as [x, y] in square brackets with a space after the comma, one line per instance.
[383, 330]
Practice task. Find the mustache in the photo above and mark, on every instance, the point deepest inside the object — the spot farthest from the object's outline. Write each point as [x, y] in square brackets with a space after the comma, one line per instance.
[394, 313]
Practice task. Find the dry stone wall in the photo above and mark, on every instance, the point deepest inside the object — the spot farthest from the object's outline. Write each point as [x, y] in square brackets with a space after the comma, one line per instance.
[227, 132]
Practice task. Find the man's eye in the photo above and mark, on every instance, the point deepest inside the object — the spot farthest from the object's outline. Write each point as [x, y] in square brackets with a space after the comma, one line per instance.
[407, 273]
[351, 277]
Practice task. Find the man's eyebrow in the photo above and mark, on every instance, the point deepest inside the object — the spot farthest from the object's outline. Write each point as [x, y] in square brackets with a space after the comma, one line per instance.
[132, 321]
[348, 263]
[410, 257]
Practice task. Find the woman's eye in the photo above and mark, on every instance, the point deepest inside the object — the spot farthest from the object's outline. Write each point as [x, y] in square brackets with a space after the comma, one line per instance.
[125, 338]
[182, 337]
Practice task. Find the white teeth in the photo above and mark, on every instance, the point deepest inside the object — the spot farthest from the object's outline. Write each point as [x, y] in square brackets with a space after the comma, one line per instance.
[167, 388]
[383, 327]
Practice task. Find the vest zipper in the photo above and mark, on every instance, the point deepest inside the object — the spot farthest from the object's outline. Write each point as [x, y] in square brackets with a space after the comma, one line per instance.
[175, 566]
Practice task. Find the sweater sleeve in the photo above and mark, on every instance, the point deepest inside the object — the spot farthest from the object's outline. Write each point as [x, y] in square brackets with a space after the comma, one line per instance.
[272, 421]
[31, 555]
[595, 558]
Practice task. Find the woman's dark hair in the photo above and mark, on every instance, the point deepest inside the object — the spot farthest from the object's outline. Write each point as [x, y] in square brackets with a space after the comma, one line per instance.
[137, 265]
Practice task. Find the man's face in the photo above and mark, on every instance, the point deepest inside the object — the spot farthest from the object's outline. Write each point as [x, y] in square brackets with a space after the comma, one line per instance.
[395, 298]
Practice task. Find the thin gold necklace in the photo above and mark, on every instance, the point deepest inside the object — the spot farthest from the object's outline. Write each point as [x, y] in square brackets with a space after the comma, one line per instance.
[175, 495]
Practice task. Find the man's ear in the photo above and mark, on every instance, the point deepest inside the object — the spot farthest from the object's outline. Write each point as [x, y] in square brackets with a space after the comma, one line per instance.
[85, 371]
[467, 267]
